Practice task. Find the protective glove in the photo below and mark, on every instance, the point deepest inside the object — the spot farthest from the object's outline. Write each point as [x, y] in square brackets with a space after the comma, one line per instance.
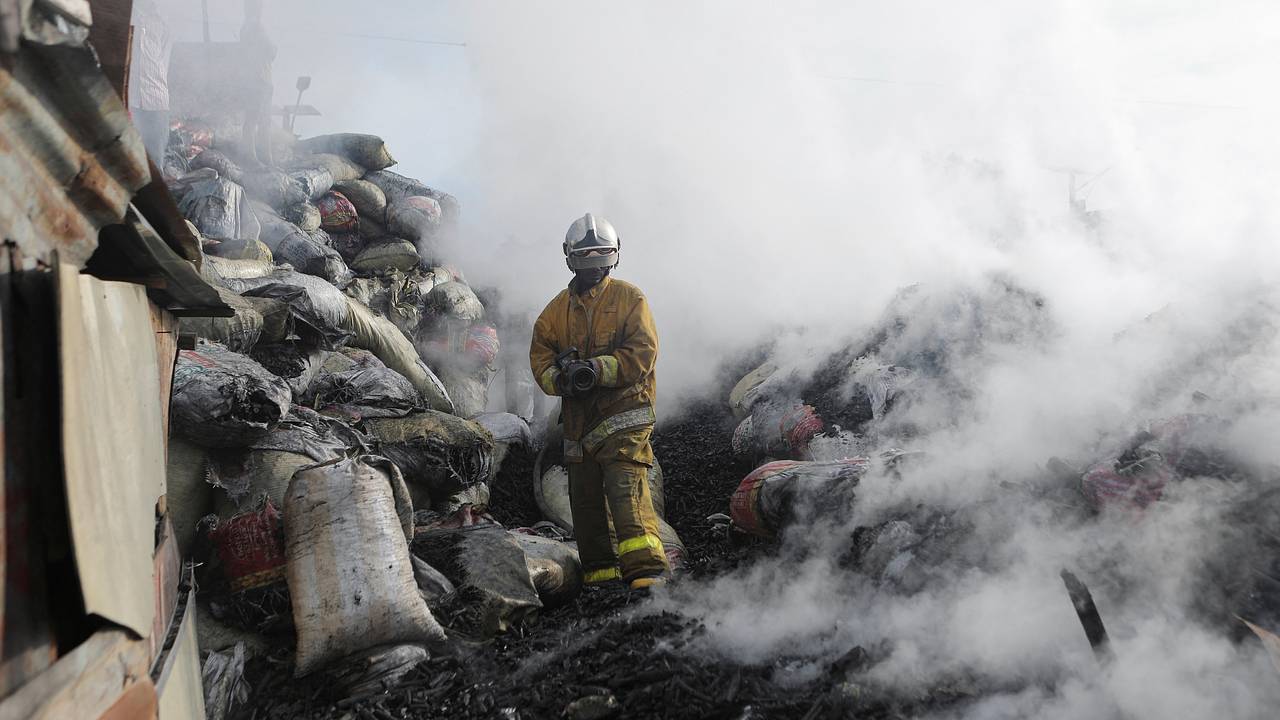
[563, 386]
[598, 366]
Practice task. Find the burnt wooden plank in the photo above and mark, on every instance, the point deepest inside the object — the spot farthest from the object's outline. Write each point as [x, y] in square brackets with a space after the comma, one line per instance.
[87, 682]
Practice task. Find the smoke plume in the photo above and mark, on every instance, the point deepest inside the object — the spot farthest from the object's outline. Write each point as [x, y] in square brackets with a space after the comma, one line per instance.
[779, 172]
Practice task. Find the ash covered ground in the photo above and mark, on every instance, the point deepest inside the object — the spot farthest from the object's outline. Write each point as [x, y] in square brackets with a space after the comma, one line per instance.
[842, 607]
[605, 643]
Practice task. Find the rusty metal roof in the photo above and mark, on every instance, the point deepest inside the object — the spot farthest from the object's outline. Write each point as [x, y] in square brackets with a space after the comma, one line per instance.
[133, 251]
[70, 159]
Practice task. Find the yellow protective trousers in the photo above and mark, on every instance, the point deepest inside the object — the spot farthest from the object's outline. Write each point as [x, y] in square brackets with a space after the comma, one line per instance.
[607, 483]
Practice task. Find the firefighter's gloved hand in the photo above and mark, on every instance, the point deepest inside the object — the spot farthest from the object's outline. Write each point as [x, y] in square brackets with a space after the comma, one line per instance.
[563, 387]
[597, 369]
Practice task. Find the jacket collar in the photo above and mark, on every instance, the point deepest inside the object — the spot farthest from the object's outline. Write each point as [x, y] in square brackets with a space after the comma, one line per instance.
[593, 293]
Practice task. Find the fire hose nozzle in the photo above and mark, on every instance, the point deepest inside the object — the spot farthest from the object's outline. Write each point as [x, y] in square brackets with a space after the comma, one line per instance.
[579, 374]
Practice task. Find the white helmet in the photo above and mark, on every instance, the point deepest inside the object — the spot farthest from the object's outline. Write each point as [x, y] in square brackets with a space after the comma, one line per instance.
[591, 233]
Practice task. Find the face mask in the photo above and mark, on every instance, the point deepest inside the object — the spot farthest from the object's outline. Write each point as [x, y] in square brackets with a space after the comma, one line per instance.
[587, 279]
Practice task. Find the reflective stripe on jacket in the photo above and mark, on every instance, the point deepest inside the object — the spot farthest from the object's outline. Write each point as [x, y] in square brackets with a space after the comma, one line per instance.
[610, 323]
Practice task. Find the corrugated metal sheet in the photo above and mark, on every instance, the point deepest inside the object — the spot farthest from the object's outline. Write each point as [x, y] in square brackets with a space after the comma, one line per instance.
[159, 208]
[75, 11]
[69, 158]
[134, 251]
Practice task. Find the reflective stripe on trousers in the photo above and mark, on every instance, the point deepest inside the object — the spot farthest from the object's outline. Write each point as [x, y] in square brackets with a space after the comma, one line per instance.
[640, 543]
[594, 577]
[639, 417]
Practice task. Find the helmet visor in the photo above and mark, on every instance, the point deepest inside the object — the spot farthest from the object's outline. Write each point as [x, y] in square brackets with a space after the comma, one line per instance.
[601, 257]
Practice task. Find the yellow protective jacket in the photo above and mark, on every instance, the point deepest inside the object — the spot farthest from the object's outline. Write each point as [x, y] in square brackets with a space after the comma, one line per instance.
[610, 323]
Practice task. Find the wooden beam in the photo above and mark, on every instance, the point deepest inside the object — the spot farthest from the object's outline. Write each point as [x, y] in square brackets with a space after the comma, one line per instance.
[111, 35]
[168, 572]
[165, 325]
[139, 702]
[85, 683]
[179, 682]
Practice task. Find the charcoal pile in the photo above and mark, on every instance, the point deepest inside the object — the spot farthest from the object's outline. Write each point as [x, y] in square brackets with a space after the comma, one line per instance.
[333, 432]
[702, 478]
[925, 349]
[511, 498]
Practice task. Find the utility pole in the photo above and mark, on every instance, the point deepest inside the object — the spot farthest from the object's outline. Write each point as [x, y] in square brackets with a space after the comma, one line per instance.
[291, 112]
[1073, 200]
[1077, 201]
[204, 13]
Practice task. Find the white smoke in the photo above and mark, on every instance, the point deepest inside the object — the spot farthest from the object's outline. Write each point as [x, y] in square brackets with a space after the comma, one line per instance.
[778, 171]
[759, 184]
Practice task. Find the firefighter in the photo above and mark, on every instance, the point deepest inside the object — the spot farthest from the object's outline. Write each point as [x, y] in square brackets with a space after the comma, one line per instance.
[595, 347]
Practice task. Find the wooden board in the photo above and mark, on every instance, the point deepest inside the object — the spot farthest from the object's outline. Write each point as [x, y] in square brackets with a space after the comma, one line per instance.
[1270, 641]
[111, 35]
[113, 443]
[168, 573]
[138, 702]
[85, 683]
[165, 326]
[5, 540]
[181, 685]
